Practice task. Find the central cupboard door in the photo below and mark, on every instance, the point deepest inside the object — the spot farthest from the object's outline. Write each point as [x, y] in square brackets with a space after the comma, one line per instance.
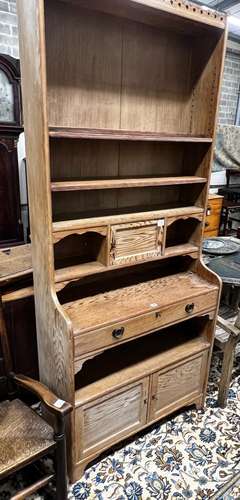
[106, 420]
[136, 241]
[173, 387]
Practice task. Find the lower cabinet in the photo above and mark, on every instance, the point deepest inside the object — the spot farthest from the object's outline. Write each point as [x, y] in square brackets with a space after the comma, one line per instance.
[102, 421]
[171, 388]
[106, 420]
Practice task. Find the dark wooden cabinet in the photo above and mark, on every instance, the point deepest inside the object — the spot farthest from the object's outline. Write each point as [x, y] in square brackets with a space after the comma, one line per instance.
[10, 127]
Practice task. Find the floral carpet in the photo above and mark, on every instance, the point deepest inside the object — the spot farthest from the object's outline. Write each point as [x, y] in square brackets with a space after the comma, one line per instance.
[194, 454]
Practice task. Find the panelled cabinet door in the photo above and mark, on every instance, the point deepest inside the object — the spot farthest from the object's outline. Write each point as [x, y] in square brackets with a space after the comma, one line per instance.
[106, 420]
[173, 387]
[136, 241]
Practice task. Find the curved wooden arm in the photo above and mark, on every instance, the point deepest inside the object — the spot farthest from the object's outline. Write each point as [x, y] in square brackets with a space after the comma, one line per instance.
[228, 327]
[55, 405]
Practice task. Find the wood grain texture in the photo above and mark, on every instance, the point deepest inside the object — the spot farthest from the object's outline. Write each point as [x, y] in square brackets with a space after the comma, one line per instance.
[89, 83]
[109, 418]
[71, 225]
[55, 350]
[131, 88]
[100, 398]
[15, 262]
[123, 303]
[165, 352]
[136, 241]
[89, 133]
[33, 488]
[123, 183]
[140, 325]
[170, 386]
[213, 216]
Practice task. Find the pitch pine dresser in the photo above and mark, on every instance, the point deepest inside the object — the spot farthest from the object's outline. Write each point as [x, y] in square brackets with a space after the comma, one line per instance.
[120, 101]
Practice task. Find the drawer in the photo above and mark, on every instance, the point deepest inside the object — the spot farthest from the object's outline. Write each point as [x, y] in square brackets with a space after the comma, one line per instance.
[109, 418]
[136, 241]
[173, 387]
[210, 234]
[113, 334]
[212, 222]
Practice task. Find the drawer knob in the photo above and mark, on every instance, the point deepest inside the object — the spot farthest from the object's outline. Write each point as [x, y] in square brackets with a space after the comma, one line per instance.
[118, 333]
[189, 308]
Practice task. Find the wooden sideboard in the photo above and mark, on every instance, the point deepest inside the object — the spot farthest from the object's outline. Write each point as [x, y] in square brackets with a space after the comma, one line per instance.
[213, 215]
[123, 97]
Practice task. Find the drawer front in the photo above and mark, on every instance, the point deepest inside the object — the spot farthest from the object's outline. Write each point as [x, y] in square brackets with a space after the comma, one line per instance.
[136, 241]
[212, 222]
[173, 387]
[108, 336]
[211, 234]
[108, 419]
[215, 206]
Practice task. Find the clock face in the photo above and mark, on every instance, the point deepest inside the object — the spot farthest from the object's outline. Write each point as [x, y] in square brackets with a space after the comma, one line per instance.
[6, 99]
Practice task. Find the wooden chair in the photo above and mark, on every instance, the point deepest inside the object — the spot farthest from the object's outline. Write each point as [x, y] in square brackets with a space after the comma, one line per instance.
[226, 340]
[25, 436]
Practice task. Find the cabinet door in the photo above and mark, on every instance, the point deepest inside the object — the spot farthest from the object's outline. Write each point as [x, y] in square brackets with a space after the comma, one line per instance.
[136, 241]
[106, 420]
[177, 385]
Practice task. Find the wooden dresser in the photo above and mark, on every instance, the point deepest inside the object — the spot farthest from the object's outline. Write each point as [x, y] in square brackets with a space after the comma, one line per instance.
[213, 215]
[120, 103]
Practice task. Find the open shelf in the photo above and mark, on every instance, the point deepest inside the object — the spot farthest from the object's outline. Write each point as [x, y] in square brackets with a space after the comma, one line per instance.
[124, 183]
[127, 362]
[118, 216]
[121, 135]
[74, 272]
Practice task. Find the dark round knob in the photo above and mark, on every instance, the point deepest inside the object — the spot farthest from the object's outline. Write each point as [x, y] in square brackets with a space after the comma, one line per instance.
[189, 308]
[118, 333]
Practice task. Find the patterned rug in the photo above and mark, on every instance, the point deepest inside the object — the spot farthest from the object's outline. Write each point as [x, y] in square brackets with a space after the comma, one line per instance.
[194, 454]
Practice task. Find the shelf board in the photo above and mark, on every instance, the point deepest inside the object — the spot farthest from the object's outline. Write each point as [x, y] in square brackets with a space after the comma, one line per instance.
[125, 216]
[135, 301]
[67, 274]
[185, 248]
[15, 262]
[122, 135]
[85, 185]
[171, 354]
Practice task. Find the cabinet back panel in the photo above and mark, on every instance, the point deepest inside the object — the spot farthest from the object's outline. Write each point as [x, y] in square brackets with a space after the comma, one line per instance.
[110, 72]
[73, 159]
[67, 205]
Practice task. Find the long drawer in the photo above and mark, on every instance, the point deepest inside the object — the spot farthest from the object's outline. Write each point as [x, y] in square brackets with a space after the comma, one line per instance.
[113, 334]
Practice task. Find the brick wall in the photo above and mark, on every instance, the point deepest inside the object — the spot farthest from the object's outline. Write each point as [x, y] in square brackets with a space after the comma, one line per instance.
[230, 88]
[8, 28]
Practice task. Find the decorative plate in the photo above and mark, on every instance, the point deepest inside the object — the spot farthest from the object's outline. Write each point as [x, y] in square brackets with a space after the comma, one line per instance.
[220, 246]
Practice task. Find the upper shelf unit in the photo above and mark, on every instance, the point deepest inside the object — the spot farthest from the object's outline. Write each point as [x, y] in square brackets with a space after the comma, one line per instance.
[145, 75]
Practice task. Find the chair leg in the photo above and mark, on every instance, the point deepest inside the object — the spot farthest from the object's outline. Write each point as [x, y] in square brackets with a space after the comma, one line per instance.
[61, 466]
[226, 374]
